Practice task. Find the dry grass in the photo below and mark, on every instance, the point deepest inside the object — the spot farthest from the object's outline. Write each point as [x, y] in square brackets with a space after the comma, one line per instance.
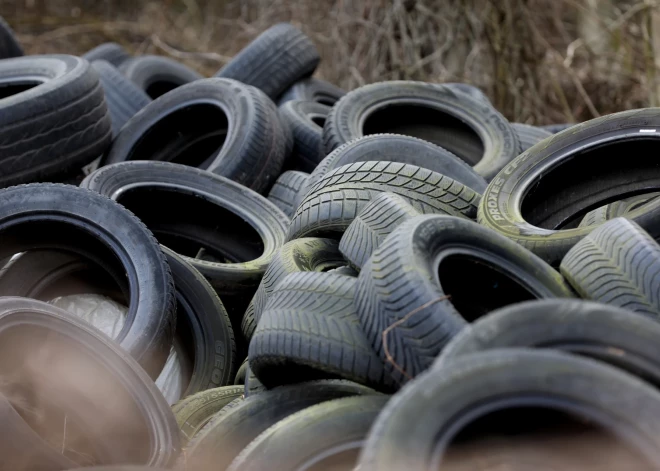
[540, 61]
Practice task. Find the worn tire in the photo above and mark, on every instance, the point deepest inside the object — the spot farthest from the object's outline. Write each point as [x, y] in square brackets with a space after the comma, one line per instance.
[284, 192]
[416, 270]
[529, 136]
[617, 209]
[9, 45]
[312, 89]
[335, 200]
[314, 310]
[112, 53]
[241, 136]
[618, 264]
[306, 120]
[414, 430]
[252, 384]
[467, 127]
[157, 75]
[241, 374]
[555, 128]
[553, 185]
[471, 90]
[248, 323]
[275, 60]
[50, 131]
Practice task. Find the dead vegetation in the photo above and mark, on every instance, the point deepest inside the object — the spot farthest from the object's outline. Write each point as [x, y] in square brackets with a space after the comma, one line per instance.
[540, 61]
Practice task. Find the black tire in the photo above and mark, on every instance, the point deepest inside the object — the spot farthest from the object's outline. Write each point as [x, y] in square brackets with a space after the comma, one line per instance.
[606, 333]
[300, 255]
[617, 209]
[314, 310]
[157, 75]
[252, 384]
[335, 200]
[9, 45]
[119, 414]
[193, 412]
[471, 90]
[217, 446]
[467, 127]
[529, 136]
[448, 271]
[618, 264]
[248, 323]
[416, 428]
[220, 125]
[402, 149]
[344, 271]
[331, 432]
[61, 217]
[274, 61]
[312, 89]
[252, 228]
[54, 119]
[285, 190]
[372, 225]
[553, 186]
[122, 97]
[306, 120]
[112, 53]
[555, 128]
[241, 374]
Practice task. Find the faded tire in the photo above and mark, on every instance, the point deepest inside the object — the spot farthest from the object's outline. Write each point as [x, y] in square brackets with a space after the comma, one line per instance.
[285, 191]
[529, 136]
[312, 89]
[157, 75]
[306, 120]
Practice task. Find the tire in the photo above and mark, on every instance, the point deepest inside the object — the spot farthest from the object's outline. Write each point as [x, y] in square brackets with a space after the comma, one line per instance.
[248, 323]
[122, 97]
[9, 45]
[529, 136]
[112, 53]
[617, 209]
[50, 130]
[306, 119]
[372, 225]
[300, 255]
[285, 191]
[555, 128]
[344, 271]
[222, 442]
[256, 228]
[309, 330]
[318, 434]
[402, 149]
[616, 336]
[241, 375]
[312, 89]
[108, 399]
[335, 200]
[193, 412]
[61, 217]
[218, 125]
[275, 60]
[157, 75]
[414, 430]
[468, 128]
[252, 384]
[618, 264]
[550, 187]
[433, 266]
[470, 90]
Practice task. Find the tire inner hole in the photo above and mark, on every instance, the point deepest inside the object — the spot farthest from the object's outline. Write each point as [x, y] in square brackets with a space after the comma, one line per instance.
[477, 288]
[191, 136]
[8, 89]
[429, 124]
[160, 88]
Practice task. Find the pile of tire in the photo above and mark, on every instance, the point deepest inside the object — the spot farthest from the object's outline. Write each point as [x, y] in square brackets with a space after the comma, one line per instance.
[259, 270]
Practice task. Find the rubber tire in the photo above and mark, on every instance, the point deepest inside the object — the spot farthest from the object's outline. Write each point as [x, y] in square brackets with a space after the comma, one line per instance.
[51, 130]
[248, 323]
[372, 225]
[9, 45]
[344, 271]
[285, 191]
[617, 264]
[241, 374]
[112, 53]
[113, 430]
[529, 136]
[149, 327]
[222, 442]
[402, 276]
[146, 71]
[402, 149]
[312, 89]
[335, 200]
[307, 134]
[193, 412]
[309, 330]
[254, 148]
[606, 333]
[269, 222]
[311, 435]
[252, 384]
[616, 209]
[578, 191]
[500, 143]
[301, 255]
[122, 97]
[275, 60]
[471, 90]
[555, 128]
[417, 425]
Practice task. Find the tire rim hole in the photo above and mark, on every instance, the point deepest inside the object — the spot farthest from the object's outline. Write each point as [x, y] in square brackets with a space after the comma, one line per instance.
[160, 88]
[14, 88]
